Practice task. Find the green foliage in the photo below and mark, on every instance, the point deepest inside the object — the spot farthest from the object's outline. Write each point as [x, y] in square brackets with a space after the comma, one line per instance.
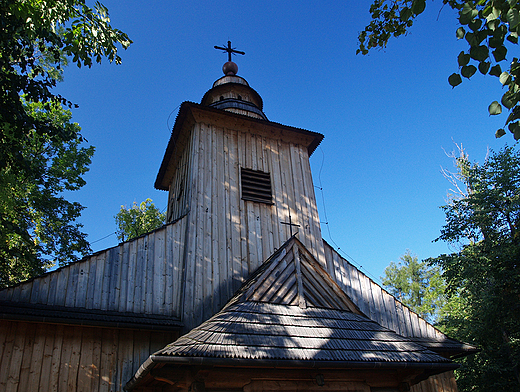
[35, 38]
[489, 27]
[417, 285]
[138, 220]
[40, 149]
[37, 226]
[483, 278]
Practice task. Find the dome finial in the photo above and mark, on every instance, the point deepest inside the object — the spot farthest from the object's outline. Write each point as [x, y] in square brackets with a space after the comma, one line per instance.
[229, 68]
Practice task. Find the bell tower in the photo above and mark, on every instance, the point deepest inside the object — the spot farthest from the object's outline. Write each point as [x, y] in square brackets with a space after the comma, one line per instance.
[242, 184]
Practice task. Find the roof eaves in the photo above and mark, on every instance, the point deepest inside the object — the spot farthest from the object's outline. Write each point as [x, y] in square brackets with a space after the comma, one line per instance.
[153, 360]
[90, 317]
[182, 115]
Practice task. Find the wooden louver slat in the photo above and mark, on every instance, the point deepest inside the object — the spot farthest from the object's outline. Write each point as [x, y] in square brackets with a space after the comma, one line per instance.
[256, 186]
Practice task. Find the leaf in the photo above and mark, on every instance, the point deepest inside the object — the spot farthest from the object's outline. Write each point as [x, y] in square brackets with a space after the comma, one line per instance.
[512, 18]
[496, 41]
[463, 59]
[513, 38]
[475, 24]
[495, 108]
[479, 53]
[405, 14]
[495, 70]
[418, 6]
[492, 24]
[454, 80]
[483, 67]
[508, 100]
[472, 39]
[460, 32]
[500, 53]
[505, 78]
[468, 71]
[514, 128]
[499, 133]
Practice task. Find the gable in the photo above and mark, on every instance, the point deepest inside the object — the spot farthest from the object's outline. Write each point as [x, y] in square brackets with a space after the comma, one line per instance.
[124, 283]
[292, 276]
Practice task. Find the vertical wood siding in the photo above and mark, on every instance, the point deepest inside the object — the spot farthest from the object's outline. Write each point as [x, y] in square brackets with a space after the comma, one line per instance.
[48, 357]
[229, 238]
[444, 382]
[140, 276]
[179, 192]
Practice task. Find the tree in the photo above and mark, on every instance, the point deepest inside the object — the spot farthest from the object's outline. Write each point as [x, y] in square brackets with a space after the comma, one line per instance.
[37, 223]
[417, 285]
[490, 27]
[484, 276]
[40, 149]
[138, 220]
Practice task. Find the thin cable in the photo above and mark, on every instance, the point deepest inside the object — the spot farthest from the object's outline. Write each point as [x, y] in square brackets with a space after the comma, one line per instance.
[93, 242]
[338, 249]
[169, 116]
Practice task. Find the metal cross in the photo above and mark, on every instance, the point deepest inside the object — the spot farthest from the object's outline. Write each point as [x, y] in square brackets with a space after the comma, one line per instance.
[290, 224]
[229, 50]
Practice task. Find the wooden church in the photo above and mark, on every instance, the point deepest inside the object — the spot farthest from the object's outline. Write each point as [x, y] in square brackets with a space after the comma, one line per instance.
[237, 292]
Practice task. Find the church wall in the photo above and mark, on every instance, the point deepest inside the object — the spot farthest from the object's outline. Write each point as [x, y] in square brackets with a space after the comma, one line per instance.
[179, 192]
[139, 276]
[51, 357]
[444, 382]
[229, 237]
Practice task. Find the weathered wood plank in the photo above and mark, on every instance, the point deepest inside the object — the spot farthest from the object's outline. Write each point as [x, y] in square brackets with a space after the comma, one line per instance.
[131, 276]
[107, 366]
[115, 281]
[159, 278]
[37, 356]
[220, 253]
[7, 334]
[82, 283]
[125, 357]
[98, 282]
[149, 271]
[46, 364]
[96, 361]
[72, 285]
[56, 364]
[86, 367]
[21, 358]
[124, 258]
[140, 274]
[74, 362]
[194, 229]
[234, 210]
[273, 167]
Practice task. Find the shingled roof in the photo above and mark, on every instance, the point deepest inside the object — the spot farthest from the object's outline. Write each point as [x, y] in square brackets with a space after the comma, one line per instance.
[259, 330]
[291, 313]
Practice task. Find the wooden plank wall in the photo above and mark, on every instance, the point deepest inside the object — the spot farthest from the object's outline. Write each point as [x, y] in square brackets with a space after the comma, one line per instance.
[179, 192]
[140, 276]
[228, 237]
[383, 308]
[376, 303]
[444, 382]
[50, 357]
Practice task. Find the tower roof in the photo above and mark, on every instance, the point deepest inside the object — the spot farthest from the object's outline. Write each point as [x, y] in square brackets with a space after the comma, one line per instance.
[231, 92]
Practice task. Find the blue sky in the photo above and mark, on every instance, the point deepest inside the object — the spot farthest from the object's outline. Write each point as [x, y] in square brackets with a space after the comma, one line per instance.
[388, 117]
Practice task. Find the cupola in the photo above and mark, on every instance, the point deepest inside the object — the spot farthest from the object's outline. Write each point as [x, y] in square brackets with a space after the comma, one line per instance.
[232, 93]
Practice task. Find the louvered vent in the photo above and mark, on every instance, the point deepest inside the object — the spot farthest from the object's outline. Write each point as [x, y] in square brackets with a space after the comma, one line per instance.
[256, 186]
